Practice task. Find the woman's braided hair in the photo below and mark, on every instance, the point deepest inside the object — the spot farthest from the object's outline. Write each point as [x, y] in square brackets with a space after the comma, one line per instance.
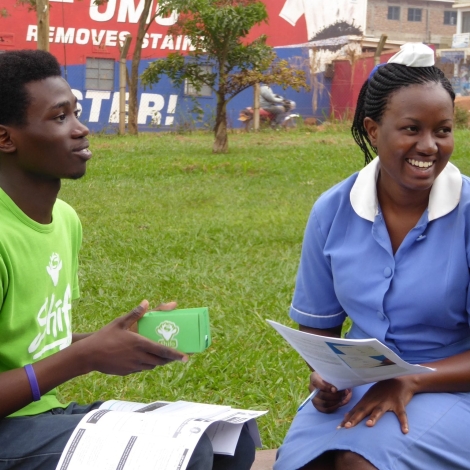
[377, 90]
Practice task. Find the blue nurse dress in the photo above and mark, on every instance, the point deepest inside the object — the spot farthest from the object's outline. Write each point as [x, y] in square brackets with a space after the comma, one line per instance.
[415, 301]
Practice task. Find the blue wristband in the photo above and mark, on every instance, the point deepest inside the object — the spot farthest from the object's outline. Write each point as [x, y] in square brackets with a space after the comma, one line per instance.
[33, 382]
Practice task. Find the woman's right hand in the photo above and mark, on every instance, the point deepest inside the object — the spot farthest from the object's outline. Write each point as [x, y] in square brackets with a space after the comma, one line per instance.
[328, 399]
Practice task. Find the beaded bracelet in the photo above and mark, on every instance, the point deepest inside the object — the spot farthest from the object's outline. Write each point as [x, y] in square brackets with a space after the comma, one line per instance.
[33, 382]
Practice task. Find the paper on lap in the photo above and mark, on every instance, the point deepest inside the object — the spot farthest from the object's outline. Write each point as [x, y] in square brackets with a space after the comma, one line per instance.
[347, 363]
[157, 436]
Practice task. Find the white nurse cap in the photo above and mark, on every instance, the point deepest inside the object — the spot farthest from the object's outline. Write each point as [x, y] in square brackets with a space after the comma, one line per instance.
[413, 54]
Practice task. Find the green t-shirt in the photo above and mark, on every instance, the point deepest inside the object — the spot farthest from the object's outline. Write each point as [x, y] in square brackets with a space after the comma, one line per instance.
[38, 281]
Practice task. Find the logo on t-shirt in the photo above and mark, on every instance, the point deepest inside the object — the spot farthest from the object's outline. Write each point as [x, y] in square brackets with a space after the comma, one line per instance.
[54, 267]
[53, 318]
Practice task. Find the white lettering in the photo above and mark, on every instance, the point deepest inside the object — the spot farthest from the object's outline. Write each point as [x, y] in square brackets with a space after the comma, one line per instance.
[172, 104]
[97, 15]
[187, 44]
[52, 323]
[96, 98]
[52, 318]
[179, 40]
[42, 320]
[66, 309]
[83, 36]
[128, 12]
[168, 42]
[64, 36]
[170, 21]
[122, 36]
[111, 38]
[114, 113]
[171, 110]
[150, 105]
[32, 34]
[127, 9]
[79, 95]
[97, 37]
[155, 38]
[145, 42]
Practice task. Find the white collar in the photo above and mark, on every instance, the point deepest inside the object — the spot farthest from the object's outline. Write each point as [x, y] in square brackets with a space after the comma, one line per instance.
[444, 196]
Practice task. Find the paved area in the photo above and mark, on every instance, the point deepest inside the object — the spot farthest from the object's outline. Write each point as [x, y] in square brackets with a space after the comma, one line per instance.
[264, 459]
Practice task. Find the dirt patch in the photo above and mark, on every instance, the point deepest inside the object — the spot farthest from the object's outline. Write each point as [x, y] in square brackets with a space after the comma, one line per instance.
[310, 121]
[463, 102]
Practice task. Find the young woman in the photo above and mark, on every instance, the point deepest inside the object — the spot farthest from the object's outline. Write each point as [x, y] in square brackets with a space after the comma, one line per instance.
[389, 248]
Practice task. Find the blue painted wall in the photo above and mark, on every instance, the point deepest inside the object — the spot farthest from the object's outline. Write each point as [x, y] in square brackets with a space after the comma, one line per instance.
[165, 107]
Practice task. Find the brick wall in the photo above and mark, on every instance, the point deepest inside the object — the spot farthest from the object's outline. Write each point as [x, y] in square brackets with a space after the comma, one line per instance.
[431, 28]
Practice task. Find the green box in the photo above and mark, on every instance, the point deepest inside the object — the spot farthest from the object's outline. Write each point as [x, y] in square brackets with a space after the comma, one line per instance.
[186, 330]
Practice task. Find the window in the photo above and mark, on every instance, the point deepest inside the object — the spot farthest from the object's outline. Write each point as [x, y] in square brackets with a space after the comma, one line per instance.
[190, 89]
[465, 22]
[393, 13]
[414, 14]
[99, 74]
[450, 17]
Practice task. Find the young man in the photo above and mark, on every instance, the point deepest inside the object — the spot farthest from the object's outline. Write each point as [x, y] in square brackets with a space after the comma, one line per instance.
[42, 142]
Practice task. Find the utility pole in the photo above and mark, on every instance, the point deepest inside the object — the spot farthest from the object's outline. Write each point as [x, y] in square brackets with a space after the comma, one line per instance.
[380, 46]
[42, 12]
[122, 83]
[256, 107]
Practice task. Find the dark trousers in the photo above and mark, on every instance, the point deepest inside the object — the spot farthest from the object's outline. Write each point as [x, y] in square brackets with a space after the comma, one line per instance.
[37, 442]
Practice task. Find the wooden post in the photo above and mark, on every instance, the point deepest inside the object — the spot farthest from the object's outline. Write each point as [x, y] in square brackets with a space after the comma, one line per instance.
[42, 12]
[122, 84]
[380, 46]
[256, 107]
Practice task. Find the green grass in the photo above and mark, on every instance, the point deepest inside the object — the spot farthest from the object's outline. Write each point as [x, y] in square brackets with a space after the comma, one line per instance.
[165, 219]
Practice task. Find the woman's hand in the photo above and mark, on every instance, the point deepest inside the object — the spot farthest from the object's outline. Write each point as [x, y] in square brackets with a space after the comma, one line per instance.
[328, 399]
[388, 395]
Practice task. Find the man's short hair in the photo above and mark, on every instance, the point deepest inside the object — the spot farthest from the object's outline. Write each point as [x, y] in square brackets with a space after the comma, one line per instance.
[17, 68]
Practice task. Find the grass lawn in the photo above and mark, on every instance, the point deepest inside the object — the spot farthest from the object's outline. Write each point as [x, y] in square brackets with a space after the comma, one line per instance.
[165, 219]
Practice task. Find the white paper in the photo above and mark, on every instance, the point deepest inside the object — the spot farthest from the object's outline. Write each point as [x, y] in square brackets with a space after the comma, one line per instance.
[347, 363]
[157, 436]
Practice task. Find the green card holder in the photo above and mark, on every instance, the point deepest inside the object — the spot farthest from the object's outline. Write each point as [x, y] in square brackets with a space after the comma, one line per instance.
[187, 330]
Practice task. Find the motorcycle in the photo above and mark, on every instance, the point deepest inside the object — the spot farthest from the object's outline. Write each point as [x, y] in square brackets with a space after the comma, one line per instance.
[269, 118]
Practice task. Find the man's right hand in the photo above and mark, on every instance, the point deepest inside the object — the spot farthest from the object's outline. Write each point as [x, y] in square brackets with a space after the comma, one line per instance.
[112, 350]
[116, 350]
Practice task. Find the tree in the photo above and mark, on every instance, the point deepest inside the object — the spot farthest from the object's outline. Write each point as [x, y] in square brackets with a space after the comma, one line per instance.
[133, 78]
[41, 7]
[145, 20]
[218, 31]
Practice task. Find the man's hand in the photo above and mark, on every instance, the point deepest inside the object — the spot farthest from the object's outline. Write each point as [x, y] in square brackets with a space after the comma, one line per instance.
[162, 307]
[118, 351]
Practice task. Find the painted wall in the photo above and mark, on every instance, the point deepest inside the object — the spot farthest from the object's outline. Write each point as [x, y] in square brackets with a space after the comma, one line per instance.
[347, 83]
[80, 30]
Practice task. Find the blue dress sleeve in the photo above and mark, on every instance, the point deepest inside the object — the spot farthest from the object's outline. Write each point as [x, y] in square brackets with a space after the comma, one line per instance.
[315, 304]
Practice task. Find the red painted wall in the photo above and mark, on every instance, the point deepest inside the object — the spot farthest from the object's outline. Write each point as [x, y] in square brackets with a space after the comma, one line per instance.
[78, 30]
[347, 83]
[348, 80]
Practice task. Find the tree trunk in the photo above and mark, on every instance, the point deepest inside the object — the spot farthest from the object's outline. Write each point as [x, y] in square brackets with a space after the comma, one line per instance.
[220, 128]
[134, 76]
[42, 12]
